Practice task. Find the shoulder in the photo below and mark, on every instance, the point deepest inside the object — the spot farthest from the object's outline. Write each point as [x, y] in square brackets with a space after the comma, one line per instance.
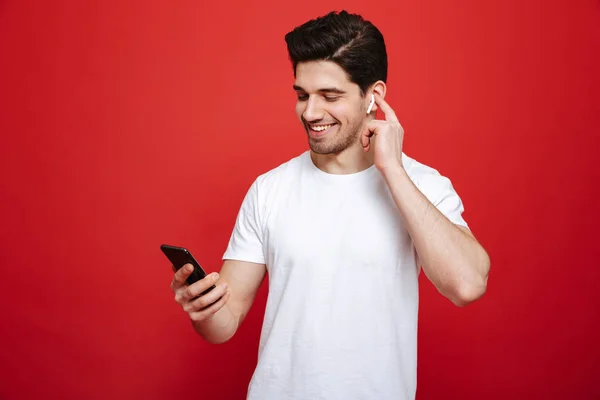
[417, 170]
[277, 180]
[427, 178]
[282, 173]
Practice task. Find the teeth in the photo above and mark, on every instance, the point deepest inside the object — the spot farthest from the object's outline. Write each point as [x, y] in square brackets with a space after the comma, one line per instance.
[321, 128]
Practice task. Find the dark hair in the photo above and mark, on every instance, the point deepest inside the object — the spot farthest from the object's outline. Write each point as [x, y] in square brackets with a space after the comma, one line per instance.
[348, 40]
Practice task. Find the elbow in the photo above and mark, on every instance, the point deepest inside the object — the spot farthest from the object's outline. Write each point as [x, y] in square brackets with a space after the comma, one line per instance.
[468, 292]
[216, 339]
[220, 340]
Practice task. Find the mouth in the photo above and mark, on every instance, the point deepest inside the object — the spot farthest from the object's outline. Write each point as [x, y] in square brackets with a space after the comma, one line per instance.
[320, 130]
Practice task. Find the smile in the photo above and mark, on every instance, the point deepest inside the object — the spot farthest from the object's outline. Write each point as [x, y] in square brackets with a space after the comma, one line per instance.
[321, 128]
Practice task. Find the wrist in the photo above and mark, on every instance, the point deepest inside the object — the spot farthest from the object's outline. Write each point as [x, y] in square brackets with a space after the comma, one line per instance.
[394, 172]
[219, 327]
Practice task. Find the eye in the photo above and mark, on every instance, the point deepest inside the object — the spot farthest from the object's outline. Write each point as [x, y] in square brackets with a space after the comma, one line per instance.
[302, 97]
[331, 98]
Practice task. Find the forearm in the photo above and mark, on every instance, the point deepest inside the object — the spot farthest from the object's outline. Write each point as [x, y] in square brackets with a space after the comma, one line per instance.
[452, 259]
[241, 280]
[219, 328]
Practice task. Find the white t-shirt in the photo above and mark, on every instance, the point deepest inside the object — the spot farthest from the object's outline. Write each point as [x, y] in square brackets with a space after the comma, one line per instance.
[341, 315]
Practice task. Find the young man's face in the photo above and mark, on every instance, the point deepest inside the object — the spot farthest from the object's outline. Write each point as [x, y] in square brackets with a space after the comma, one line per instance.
[329, 106]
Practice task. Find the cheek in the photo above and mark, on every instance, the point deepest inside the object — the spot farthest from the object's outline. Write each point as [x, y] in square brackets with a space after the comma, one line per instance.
[340, 111]
[345, 112]
[299, 110]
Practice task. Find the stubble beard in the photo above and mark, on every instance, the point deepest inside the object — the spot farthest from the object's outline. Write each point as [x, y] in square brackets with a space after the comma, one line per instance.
[345, 137]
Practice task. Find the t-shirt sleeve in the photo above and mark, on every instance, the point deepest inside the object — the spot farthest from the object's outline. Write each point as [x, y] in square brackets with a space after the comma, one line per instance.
[440, 192]
[246, 241]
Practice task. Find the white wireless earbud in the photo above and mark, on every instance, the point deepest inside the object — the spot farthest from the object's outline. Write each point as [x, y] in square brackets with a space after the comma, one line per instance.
[371, 103]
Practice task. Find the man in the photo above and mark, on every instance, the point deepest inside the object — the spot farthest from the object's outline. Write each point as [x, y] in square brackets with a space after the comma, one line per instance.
[342, 230]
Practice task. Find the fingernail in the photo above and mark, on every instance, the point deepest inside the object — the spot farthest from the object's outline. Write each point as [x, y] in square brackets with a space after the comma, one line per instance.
[225, 286]
[215, 276]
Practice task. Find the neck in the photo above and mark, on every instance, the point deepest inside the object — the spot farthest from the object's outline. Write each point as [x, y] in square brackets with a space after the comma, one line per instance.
[351, 160]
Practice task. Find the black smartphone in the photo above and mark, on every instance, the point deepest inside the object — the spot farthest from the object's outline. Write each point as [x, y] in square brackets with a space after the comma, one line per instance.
[179, 256]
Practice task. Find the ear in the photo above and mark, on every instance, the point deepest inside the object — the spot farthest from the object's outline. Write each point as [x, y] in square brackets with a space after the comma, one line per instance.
[379, 88]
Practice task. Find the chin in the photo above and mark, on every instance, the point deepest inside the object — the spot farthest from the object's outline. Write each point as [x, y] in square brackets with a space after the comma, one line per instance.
[324, 148]
[318, 148]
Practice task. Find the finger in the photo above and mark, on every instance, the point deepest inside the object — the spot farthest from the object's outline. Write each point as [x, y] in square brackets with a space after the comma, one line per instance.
[365, 136]
[389, 114]
[365, 139]
[210, 310]
[200, 287]
[208, 299]
[181, 275]
[370, 130]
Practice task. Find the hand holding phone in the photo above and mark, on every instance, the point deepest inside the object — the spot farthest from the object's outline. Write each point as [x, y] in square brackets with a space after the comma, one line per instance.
[198, 293]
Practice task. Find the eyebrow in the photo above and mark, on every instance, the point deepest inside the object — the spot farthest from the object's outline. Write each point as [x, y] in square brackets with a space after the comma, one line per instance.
[323, 90]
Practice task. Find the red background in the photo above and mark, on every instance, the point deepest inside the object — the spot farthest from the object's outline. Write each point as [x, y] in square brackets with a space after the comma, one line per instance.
[126, 124]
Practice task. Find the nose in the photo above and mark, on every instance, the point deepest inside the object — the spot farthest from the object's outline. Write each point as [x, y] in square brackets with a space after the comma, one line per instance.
[313, 111]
